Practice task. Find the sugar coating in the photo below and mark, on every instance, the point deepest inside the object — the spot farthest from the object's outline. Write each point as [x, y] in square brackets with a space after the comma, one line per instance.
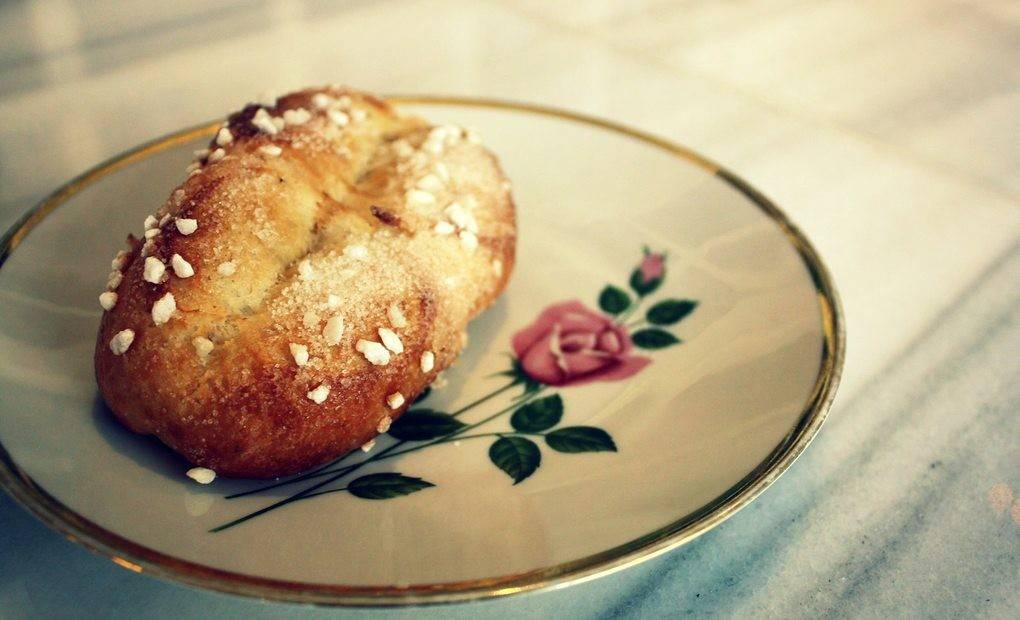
[319, 394]
[442, 171]
[396, 316]
[403, 149]
[224, 137]
[300, 353]
[384, 424]
[181, 267]
[121, 341]
[374, 352]
[362, 250]
[469, 240]
[305, 271]
[163, 309]
[119, 260]
[395, 400]
[339, 117]
[392, 263]
[430, 183]
[390, 340]
[153, 270]
[310, 319]
[203, 347]
[428, 361]
[107, 300]
[322, 101]
[333, 330]
[420, 197]
[461, 217]
[264, 122]
[358, 252]
[201, 475]
[186, 226]
[297, 116]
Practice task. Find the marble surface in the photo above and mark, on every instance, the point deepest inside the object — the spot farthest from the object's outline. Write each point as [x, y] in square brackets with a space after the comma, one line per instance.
[886, 129]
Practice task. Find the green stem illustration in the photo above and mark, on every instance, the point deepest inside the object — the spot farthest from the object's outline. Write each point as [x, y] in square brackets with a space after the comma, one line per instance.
[299, 495]
[327, 492]
[516, 451]
[326, 469]
[495, 434]
[349, 468]
[626, 314]
[483, 399]
[386, 453]
[455, 435]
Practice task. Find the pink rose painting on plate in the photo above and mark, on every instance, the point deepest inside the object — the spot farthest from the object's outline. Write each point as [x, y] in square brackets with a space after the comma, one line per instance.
[567, 346]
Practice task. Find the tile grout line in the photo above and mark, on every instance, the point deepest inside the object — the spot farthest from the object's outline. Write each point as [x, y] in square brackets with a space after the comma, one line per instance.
[934, 166]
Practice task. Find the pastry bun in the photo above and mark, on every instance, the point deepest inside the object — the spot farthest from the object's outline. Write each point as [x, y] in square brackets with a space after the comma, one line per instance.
[311, 276]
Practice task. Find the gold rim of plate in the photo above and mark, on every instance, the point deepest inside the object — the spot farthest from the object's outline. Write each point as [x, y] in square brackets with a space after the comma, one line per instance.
[140, 559]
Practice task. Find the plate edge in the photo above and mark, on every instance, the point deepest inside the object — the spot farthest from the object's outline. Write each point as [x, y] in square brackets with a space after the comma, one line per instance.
[141, 559]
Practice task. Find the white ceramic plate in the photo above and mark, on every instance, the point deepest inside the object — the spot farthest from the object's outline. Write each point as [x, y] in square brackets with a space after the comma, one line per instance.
[721, 345]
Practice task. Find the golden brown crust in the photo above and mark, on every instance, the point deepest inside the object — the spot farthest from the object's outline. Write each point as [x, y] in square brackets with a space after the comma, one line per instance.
[337, 224]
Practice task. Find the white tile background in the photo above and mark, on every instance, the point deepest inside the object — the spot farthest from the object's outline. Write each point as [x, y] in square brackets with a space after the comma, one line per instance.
[888, 129]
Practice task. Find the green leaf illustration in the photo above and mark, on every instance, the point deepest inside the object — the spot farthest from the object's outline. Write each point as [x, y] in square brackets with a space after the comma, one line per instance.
[517, 456]
[653, 338]
[614, 300]
[538, 415]
[422, 424]
[386, 485]
[670, 311]
[580, 439]
[642, 288]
